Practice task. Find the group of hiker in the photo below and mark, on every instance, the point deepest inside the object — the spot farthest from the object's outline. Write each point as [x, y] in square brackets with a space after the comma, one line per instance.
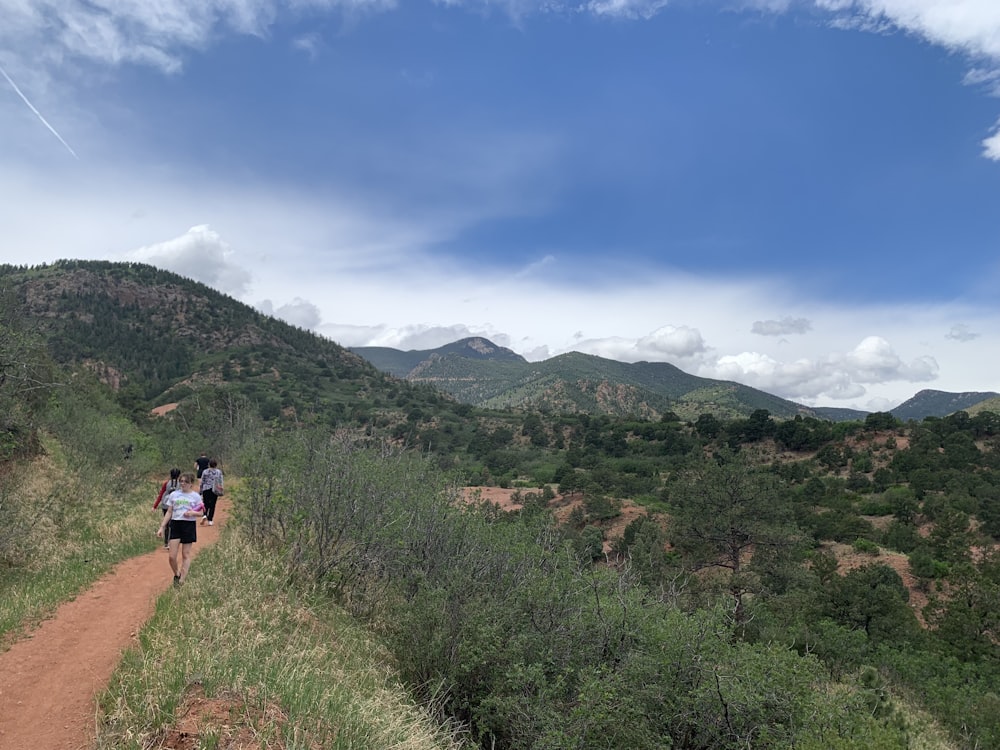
[183, 506]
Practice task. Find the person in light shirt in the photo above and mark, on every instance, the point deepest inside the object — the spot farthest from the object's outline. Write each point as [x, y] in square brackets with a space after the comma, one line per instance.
[170, 485]
[185, 507]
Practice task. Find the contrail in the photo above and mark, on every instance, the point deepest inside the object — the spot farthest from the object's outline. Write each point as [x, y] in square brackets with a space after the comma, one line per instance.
[37, 113]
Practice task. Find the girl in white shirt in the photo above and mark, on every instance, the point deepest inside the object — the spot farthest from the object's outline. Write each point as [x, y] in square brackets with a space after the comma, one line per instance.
[185, 508]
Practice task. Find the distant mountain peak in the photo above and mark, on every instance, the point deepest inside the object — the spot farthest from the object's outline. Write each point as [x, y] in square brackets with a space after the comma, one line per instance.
[478, 347]
[931, 403]
[481, 345]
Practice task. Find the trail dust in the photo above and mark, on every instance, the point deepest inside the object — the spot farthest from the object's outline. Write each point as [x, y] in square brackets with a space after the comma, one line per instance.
[49, 680]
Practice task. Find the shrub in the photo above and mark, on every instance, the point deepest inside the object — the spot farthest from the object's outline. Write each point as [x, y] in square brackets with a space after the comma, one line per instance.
[865, 546]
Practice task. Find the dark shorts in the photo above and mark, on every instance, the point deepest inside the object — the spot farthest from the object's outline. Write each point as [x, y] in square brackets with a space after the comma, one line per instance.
[185, 531]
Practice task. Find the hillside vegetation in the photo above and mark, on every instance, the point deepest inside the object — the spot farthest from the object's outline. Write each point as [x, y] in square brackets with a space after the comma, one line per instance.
[720, 617]
[478, 372]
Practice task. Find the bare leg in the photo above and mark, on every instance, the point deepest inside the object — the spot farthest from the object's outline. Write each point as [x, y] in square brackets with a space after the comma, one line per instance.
[174, 546]
[186, 550]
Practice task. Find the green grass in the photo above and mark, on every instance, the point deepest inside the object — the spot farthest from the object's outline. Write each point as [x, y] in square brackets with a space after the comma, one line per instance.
[257, 658]
[73, 533]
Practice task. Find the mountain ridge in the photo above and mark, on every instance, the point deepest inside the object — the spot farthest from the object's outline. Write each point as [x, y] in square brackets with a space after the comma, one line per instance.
[159, 337]
[477, 371]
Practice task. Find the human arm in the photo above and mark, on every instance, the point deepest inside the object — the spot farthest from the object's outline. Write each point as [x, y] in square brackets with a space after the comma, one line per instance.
[159, 497]
[197, 510]
[166, 519]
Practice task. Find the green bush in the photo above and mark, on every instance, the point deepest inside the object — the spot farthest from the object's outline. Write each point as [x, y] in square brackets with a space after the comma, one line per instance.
[865, 546]
[504, 627]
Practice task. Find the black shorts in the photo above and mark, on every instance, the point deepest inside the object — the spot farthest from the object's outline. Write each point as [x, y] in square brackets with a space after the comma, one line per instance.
[184, 531]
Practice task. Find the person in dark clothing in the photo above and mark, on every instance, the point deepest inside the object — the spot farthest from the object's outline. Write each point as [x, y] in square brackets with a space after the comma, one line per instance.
[200, 464]
[211, 488]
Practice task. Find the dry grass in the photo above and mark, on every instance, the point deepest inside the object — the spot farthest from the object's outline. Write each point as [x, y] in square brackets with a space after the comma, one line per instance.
[253, 666]
[60, 532]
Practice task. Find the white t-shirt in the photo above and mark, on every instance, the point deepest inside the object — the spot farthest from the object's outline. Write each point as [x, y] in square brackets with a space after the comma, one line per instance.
[180, 501]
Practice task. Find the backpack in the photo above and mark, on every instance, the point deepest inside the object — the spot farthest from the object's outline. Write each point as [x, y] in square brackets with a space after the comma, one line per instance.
[169, 486]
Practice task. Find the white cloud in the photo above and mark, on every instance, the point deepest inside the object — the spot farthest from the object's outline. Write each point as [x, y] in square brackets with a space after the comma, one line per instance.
[627, 8]
[797, 380]
[874, 361]
[969, 26]
[833, 376]
[991, 145]
[988, 78]
[671, 342]
[199, 254]
[156, 34]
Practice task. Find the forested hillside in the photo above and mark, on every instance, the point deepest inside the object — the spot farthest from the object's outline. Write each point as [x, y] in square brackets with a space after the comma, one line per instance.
[155, 338]
[478, 372]
[789, 582]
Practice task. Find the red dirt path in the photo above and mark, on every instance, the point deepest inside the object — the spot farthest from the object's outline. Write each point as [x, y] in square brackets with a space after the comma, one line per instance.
[49, 680]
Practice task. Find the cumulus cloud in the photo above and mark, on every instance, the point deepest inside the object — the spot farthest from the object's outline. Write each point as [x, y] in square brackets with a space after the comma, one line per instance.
[679, 342]
[199, 254]
[961, 332]
[874, 361]
[836, 376]
[801, 379]
[667, 344]
[782, 327]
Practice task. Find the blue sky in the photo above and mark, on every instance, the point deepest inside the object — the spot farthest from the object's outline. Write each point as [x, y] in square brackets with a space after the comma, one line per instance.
[803, 196]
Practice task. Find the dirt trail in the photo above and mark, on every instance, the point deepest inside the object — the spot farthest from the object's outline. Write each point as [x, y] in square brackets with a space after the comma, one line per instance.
[49, 681]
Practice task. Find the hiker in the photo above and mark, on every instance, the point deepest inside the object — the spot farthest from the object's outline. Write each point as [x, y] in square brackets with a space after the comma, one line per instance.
[169, 486]
[186, 507]
[211, 489]
[200, 464]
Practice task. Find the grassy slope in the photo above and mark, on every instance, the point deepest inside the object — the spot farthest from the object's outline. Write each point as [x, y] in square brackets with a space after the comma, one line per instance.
[253, 659]
[64, 563]
[279, 667]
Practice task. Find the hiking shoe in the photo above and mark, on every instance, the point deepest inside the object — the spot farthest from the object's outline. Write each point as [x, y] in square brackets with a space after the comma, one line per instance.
[210, 523]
